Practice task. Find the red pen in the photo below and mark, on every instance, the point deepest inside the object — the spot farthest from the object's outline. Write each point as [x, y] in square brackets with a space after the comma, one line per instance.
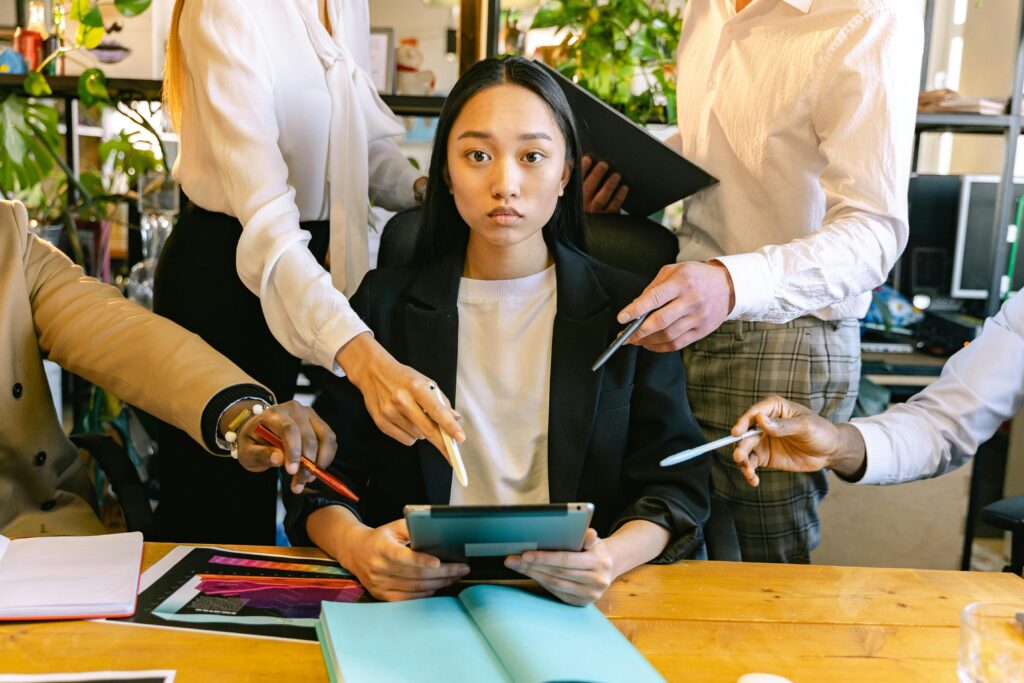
[275, 441]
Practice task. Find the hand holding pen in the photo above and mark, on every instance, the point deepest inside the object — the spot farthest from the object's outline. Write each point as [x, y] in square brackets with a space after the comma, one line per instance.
[686, 302]
[312, 470]
[298, 431]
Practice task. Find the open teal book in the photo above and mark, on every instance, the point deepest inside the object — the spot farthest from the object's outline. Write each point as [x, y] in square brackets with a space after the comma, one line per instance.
[487, 633]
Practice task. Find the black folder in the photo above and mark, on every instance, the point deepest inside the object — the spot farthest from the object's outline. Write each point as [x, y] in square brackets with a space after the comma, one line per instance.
[656, 174]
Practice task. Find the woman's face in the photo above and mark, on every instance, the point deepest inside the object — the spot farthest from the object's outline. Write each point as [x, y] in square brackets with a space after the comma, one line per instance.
[506, 165]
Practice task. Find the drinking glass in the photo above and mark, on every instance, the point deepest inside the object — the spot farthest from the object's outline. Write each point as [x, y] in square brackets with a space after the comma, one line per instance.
[991, 643]
[158, 205]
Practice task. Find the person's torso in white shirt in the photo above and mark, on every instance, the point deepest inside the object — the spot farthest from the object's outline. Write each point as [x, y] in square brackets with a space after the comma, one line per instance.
[302, 103]
[502, 388]
[746, 97]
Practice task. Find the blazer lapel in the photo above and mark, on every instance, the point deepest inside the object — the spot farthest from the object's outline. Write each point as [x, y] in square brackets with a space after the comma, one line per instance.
[431, 323]
[582, 324]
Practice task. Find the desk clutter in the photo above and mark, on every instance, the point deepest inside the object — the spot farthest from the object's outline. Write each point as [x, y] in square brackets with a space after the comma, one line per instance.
[484, 633]
[694, 621]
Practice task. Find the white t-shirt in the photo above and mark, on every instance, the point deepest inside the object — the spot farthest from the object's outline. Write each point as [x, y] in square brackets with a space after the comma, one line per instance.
[502, 388]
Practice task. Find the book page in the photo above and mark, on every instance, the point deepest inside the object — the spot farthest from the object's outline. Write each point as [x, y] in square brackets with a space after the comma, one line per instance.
[429, 640]
[541, 639]
[70, 576]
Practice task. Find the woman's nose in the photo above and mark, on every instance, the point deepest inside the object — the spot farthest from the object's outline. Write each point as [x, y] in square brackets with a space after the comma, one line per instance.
[506, 180]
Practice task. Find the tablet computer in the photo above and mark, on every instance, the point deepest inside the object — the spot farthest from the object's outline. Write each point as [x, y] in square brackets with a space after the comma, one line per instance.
[657, 175]
[483, 535]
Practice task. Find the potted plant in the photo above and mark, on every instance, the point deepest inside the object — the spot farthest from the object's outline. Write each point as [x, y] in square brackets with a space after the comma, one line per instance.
[32, 166]
[623, 51]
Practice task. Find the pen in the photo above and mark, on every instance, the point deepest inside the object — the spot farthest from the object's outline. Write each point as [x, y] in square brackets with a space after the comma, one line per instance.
[453, 448]
[619, 341]
[691, 453]
[275, 441]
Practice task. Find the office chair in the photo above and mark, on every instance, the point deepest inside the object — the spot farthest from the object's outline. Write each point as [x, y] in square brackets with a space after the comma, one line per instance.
[115, 462]
[632, 243]
[1008, 514]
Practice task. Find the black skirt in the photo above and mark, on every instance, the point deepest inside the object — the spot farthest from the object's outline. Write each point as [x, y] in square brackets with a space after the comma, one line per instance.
[205, 498]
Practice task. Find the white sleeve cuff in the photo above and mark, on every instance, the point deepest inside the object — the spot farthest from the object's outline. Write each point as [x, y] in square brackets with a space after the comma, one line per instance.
[881, 459]
[752, 283]
[338, 331]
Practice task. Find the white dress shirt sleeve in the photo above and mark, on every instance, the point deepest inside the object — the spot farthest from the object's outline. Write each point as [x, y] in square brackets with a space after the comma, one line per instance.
[940, 428]
[863, 115]
[233, 93]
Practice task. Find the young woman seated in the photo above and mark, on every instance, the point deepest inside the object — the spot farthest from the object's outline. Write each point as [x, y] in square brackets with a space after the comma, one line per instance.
[506, 313]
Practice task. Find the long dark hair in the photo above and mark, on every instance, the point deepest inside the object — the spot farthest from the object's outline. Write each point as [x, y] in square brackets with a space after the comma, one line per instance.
[442, 228]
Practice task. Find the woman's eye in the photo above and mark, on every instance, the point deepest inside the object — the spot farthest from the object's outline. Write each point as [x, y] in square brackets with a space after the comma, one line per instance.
[533, 157]
[478, 156]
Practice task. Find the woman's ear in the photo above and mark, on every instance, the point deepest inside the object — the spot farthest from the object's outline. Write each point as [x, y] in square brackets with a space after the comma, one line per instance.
[566, 173]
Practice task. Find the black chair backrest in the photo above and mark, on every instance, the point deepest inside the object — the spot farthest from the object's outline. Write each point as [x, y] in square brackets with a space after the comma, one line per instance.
[632, 243]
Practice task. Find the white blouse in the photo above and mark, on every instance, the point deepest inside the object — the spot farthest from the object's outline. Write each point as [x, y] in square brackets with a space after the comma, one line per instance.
[266, 118]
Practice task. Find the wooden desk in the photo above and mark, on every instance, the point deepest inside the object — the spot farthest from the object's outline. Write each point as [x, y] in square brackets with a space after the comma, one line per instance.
[695, 621]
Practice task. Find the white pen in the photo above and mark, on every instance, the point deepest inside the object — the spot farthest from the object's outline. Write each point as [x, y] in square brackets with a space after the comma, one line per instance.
[691, 453]
[449, 444]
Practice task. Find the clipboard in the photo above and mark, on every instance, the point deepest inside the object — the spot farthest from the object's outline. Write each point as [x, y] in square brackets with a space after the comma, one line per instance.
[656, 174]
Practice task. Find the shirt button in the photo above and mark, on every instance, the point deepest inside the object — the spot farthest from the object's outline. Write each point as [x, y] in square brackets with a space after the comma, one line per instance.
[17, 390]
[48, 505]
[39, 459]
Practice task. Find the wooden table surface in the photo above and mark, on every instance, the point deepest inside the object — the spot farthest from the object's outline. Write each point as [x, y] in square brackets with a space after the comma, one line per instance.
[694, 621]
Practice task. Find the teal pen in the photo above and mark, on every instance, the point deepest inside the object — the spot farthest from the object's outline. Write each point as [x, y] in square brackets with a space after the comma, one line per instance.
[692, 453]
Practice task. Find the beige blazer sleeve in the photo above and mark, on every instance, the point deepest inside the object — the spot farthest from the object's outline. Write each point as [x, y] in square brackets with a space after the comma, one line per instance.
[87, 327]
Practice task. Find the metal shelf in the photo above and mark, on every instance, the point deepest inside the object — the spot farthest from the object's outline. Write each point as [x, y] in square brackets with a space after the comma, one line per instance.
[67, 87]
[963, 123]
[1009, 126]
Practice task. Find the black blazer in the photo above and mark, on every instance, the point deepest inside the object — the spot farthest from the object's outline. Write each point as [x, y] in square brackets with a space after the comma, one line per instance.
[607, 429]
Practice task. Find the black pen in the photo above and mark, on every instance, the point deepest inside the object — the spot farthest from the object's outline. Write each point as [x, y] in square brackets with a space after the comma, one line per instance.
[619, 341]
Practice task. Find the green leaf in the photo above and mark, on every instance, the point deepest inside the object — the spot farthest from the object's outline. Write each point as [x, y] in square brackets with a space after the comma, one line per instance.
[36, 85]
[93, 18]
[552, 14]
[92, 88]
[79, 8]
[24, 162]
[89, 35]
[131, 8]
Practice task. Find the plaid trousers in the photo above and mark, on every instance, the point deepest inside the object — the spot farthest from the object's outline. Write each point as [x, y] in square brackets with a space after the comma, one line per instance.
[808, 361]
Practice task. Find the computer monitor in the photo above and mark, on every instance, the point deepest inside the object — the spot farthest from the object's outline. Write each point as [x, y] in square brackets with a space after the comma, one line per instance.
[927, 260]
[974, 259]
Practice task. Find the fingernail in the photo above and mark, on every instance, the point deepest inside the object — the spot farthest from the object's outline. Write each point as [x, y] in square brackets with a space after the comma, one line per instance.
[511, 564]
[622, 318]
[292, 467]
[463, 571]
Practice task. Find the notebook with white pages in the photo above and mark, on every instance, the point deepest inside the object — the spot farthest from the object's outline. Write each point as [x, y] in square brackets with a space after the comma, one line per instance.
[69, 577]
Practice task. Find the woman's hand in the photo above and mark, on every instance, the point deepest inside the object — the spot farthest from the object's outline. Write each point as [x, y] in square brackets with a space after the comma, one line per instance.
[301, 431]
[795, 439]
[578, 578]
[398, 397]
[390, 570]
